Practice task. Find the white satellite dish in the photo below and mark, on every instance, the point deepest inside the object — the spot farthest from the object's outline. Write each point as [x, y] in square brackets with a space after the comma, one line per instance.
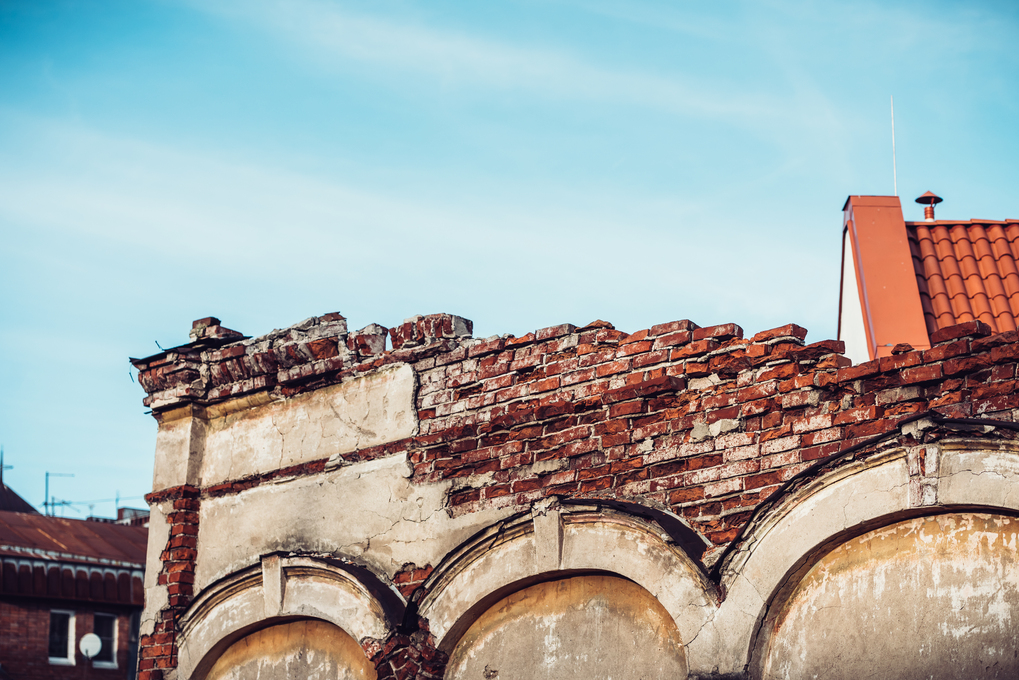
[90, 645]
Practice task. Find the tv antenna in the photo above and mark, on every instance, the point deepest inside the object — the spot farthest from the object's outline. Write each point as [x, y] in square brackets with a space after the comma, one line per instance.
[49, 502]
[2, 466]
[895, 177]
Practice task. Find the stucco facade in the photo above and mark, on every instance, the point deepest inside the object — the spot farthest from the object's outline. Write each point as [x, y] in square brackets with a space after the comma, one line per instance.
[580, 503]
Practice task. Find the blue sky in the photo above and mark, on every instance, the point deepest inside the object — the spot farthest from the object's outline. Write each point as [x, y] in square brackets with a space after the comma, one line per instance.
[518, 163]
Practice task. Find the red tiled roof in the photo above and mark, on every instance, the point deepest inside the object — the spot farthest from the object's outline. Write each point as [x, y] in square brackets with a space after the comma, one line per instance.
[73, 540]
[967, 271]
[914, 278]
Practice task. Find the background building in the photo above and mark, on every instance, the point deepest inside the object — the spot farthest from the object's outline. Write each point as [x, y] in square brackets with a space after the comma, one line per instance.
[903, 281]
[64, 578]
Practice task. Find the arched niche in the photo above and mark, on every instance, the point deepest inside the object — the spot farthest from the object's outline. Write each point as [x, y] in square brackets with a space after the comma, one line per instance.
[872, 492]
[928, 597]
[283, 591]
[574, 628]
[303, 648]
[556, 553]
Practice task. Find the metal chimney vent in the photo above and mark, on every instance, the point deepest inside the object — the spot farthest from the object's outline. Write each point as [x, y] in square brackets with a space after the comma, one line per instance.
[928, 201]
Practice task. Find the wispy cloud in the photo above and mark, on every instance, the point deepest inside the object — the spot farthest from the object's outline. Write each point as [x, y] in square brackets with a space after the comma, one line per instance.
[208, 220]
[456, 59]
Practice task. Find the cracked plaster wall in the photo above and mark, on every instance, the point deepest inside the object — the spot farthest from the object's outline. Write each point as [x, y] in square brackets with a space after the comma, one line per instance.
[301, 649]
[369, 512]
[573, 629]
[155, 596]
[934, 596]
[356, 414]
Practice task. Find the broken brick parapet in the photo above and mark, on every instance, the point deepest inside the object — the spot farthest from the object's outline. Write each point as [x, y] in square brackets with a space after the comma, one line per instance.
[593, 414]
[701, 421]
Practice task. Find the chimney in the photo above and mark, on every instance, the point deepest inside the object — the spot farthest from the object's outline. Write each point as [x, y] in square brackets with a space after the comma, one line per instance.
[928, 201]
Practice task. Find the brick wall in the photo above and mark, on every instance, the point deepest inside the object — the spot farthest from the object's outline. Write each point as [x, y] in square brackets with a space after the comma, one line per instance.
[24, 640]
[701, 422]
[158, 651]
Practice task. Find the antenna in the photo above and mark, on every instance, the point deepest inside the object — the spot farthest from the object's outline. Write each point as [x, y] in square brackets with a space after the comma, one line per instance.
[895, 177]
[49, 503]
[2, 466]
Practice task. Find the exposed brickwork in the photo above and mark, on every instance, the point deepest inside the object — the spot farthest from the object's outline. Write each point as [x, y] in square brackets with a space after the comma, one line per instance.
[697, 421]
[24, 636]
[410, 577]
[409, 656]
[158, 651]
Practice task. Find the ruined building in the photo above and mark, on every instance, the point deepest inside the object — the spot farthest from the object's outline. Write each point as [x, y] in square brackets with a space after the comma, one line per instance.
[585, 503]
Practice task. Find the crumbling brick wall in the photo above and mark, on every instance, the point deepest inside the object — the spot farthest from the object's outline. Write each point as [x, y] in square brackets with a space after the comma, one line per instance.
[699, 422]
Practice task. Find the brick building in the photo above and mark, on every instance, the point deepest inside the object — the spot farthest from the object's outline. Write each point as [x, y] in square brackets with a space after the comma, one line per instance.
[64, 578]
[582, 502]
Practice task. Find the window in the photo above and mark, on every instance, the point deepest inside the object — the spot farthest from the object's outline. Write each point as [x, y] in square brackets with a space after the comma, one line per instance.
[105, 626]
[61, 646]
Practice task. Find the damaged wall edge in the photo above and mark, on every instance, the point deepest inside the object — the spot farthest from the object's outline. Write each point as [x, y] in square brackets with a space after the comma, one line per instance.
[312, 442]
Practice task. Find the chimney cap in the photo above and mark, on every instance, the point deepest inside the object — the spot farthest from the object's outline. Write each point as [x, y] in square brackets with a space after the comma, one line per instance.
[929, 198]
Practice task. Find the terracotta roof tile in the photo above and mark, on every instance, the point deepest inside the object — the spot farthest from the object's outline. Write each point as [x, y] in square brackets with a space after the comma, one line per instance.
[967, 271]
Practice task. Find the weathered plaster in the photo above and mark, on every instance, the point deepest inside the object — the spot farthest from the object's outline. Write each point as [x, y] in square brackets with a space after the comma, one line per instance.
[803, 522]
[591, 541]
[934, 596]
[155, 595]
[359, 413]
[314, 650]
[572, 629]
[981, 476]
[301, 587]
[367, 512]
[180, 442]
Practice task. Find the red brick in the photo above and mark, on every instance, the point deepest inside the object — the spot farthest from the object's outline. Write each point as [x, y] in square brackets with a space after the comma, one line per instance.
[969, 329]
[946, 351]
[593, 485]
[673, 339]
[613, 367]
[789, 330]
[780, 372]
[899, 361]
[966, 364]
[921, 374]
[687, 495]
[673, 326]
[724, 331]
[859, 371]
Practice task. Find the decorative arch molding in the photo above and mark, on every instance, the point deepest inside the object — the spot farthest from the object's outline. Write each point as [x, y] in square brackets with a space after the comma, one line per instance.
[279, 589]
[556, 541]
[885, 487]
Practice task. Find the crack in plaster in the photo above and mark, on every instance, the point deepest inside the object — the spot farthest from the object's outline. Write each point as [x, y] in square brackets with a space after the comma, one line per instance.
[283, 442]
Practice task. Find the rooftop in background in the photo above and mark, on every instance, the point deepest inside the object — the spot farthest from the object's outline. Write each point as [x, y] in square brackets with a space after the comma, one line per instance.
[913, 278]
[71, 540]
[12, 502]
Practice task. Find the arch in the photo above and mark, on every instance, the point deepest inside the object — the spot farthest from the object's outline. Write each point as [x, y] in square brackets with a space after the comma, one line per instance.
[302, 648]
[575, 628]
[883, 488]
[282, 589]
[556, 542]
[931, 596]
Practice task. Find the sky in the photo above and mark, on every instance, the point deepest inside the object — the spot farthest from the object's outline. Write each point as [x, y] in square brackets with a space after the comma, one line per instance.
[518, 163]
